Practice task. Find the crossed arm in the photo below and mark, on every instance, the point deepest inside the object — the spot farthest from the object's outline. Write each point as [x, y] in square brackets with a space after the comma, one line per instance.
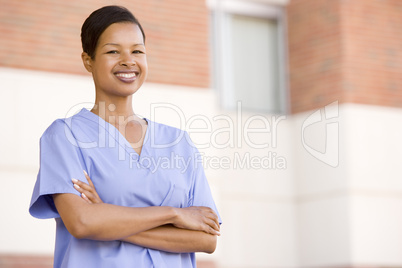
[177, 230]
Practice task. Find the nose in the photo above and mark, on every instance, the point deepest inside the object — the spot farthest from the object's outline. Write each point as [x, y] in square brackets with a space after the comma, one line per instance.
[127, 59]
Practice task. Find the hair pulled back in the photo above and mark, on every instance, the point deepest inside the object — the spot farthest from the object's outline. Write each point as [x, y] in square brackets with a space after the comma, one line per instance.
[99, 20]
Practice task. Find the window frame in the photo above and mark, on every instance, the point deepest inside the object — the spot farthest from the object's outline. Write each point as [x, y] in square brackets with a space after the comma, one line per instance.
[221, 10]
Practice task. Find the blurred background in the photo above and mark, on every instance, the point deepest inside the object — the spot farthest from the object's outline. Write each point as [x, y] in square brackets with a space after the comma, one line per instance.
[296, 106]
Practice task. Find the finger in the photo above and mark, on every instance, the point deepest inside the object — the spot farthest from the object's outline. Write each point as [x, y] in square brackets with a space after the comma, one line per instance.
[82, 191]
[215, 218]
[213, 225]
[83, 185]
[86, 198]
[89, 196]
[211, 214]
[96, 198]
[76, 185]
[211, 231]
[83, 188]
[214, 232]
[210, 210]
[89, 179]
[90, 192]
[86, 190]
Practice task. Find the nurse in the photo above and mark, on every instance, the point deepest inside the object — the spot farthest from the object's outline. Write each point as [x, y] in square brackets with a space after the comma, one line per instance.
[106, 174]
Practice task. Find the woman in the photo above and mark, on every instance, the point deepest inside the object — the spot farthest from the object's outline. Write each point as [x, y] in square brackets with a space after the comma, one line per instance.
[146, 211]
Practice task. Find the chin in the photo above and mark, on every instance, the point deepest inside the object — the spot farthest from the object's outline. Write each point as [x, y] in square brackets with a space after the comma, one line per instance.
[127, 91]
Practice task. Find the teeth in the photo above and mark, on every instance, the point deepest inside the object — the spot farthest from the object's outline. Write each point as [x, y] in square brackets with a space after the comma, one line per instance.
[126, 75]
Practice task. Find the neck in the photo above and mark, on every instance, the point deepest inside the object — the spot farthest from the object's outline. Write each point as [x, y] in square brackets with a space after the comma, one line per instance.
[114, 110]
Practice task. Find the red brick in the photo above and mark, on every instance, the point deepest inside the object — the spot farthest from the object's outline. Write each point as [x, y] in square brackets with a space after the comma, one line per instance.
[45, 35]
[351, 48]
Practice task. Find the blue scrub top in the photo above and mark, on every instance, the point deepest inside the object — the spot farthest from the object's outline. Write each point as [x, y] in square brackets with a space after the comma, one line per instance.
[168, 172]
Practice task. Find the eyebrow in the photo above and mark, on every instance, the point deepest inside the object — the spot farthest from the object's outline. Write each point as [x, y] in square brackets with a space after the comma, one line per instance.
[114, 44]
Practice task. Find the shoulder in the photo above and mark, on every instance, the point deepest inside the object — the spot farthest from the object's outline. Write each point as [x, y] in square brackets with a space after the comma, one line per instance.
[166, 129]
[59, 134]
[168, 135]
[60, 126]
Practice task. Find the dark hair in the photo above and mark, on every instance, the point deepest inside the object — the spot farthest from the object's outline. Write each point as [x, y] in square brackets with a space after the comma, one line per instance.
[97, 23]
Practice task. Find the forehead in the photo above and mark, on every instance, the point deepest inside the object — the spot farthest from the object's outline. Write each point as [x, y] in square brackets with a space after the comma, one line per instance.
[122, 33]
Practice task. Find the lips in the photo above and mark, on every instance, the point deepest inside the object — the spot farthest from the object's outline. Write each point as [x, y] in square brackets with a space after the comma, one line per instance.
[126, 77]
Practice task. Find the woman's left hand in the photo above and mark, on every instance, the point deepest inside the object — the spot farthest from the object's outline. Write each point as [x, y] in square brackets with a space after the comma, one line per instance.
[88, 191]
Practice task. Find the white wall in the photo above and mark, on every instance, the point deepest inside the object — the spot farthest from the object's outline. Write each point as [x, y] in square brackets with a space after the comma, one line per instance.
[350, 215]
[376, 184]
[304, 214]
[321, 192]
[30, 102]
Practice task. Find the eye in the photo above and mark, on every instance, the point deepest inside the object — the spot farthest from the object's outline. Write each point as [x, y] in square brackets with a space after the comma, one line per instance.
[112, 52]
[137, 52]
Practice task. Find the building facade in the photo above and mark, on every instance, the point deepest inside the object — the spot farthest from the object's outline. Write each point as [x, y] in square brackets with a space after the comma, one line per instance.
[295, 105]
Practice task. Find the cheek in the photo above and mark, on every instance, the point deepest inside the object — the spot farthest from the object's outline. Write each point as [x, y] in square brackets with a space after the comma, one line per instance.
[102, 67]
[101, 75]
[143, 64]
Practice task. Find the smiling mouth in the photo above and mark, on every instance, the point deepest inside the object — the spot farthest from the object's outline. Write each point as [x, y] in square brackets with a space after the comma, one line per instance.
[126, 75]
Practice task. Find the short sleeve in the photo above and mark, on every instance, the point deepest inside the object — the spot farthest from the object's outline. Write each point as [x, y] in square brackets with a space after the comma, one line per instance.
[60, 161]
[201, 193]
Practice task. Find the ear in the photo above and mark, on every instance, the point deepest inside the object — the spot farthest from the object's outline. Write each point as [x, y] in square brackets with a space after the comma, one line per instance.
[86, 59]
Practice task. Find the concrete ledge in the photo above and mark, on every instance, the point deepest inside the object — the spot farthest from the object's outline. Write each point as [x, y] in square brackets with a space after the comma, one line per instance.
[43, 261]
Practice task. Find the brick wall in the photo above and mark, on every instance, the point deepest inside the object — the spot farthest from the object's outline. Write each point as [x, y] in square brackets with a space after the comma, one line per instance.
[345, 50]
[45, 35]
[373, 52]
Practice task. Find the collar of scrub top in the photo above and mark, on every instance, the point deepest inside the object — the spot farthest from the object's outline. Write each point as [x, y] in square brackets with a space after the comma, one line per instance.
[119, 138]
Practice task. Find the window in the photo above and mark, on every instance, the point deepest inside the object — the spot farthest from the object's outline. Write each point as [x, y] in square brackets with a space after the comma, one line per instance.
[248, 56]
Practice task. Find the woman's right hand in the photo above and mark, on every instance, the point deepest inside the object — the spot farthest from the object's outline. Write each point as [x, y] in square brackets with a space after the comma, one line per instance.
[197, 219]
